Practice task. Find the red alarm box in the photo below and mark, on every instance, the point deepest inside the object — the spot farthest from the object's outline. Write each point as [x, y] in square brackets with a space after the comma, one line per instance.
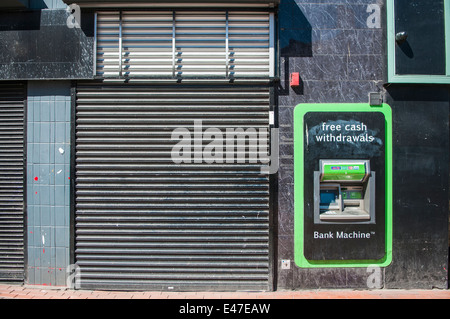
[295, 79]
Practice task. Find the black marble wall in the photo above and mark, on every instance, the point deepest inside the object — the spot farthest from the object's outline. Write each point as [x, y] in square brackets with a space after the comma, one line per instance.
[39, 45]
[421, 183]
[340, 53]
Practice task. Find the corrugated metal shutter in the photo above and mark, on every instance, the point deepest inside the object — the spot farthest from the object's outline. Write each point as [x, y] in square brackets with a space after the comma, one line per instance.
[185, 44]
[144, 222]
[11, 182]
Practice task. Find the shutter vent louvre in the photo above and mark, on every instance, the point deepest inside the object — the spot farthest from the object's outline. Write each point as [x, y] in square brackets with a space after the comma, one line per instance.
[147, 43]
[108, 33]
[185, 44]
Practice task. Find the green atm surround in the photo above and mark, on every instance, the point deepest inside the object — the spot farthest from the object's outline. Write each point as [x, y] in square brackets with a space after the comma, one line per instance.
[299, 201]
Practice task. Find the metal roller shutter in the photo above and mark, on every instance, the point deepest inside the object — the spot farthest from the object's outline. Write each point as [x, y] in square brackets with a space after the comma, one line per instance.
[144, 222]
[12, 182]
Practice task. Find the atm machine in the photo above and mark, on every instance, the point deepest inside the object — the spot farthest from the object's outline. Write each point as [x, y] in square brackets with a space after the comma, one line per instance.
[342, 185]
[344, 190]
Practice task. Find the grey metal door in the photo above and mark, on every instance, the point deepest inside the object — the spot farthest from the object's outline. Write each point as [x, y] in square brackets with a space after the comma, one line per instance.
[144, 221]
[12, 110]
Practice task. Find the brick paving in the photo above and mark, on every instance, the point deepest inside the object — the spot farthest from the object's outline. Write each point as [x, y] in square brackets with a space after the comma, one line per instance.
[43, 292]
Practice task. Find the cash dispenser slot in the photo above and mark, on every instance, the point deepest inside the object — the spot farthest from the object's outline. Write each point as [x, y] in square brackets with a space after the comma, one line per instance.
[346, 191]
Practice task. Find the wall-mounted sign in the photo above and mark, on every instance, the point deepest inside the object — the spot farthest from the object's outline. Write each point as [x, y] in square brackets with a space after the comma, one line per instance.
[343, 185]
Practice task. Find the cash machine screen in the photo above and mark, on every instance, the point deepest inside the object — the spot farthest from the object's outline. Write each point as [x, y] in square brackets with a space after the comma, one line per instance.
[328, 197]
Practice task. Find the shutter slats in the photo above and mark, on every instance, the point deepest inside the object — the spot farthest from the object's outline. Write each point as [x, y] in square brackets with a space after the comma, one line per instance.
[143, 221]
[199, 50]
[185, 44]
[11, 182]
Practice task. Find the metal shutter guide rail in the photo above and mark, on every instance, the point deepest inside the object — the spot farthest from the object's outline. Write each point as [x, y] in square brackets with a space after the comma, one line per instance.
[185, 46]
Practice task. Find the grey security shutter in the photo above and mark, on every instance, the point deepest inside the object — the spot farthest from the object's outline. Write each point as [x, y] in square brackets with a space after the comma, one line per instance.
[146, 222]
[12, 182]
